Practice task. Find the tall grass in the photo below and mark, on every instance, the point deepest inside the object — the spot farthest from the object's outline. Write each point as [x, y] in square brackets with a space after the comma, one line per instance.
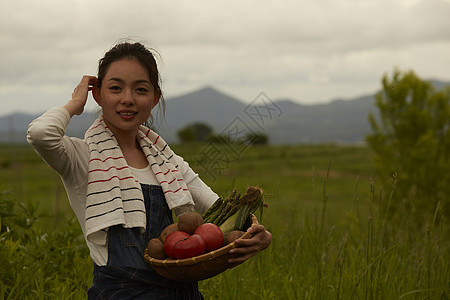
[355, 258]
[331, 237]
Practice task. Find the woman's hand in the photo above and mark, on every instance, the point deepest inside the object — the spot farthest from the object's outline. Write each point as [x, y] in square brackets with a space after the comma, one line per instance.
[80, 94]
[246, 248]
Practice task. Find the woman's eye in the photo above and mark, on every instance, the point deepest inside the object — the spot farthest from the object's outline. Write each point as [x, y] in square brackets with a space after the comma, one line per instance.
[114, 88]
[142, 90]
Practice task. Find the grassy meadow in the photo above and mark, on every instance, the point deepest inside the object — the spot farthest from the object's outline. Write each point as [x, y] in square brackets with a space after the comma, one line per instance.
[330, 239]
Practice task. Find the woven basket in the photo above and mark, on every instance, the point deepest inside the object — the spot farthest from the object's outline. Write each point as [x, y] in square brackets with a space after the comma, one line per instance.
[198, 267]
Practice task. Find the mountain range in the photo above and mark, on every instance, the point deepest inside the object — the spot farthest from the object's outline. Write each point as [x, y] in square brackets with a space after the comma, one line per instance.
[283, 120]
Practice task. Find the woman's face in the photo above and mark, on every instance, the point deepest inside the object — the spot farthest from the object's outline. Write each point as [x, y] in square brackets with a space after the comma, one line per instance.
[126, 96]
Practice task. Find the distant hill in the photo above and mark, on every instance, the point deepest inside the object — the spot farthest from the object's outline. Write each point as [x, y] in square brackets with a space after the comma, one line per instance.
[206, 105]
[339, 121]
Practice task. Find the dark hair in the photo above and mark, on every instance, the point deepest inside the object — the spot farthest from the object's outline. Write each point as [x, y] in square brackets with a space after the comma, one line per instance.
[144, 56]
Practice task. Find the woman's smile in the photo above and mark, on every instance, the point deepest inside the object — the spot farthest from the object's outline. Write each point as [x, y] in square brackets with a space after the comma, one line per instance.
[127, 114]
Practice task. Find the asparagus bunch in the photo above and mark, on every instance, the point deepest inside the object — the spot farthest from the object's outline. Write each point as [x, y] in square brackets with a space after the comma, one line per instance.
[223, 208]
[232, 213]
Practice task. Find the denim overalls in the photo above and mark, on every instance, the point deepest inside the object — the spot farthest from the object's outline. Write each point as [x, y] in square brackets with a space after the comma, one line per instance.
[127, 275]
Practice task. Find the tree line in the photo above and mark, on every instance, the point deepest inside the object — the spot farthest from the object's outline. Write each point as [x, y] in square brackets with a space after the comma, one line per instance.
[202, 132]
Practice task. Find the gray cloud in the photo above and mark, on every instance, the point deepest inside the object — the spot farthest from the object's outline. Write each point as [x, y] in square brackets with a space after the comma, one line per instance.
[311, 51]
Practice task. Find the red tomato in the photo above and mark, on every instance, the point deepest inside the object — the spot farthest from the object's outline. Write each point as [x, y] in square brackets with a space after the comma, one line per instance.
[212, 235]
[171, 240]
[191, 246]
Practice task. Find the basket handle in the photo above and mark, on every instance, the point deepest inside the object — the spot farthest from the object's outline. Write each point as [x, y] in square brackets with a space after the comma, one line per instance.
[254, 220]
[248, 235]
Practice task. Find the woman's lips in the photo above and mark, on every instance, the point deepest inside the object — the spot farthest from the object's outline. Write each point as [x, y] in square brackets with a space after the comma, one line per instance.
[127, 114]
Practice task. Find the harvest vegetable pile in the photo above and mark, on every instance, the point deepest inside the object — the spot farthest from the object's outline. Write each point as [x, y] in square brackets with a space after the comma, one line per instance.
[196, 234]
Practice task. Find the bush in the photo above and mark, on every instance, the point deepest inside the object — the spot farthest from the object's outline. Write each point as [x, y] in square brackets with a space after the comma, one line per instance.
[411, 141]
[258, 138]
[37, 264]
[195, 132]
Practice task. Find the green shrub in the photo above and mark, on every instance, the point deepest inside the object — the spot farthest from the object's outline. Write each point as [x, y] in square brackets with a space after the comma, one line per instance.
[37, 264]
[411, 142]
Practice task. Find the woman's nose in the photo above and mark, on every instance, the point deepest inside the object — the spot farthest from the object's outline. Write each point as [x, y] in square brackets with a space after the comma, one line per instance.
[127, 97]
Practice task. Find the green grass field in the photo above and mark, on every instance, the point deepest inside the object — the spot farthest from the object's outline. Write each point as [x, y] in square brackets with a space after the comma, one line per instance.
[330, 239]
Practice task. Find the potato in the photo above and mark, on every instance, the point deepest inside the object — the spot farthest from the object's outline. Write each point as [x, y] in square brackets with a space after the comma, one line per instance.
[168, 230]
[189, 221]
[156, 249]
[233, 235]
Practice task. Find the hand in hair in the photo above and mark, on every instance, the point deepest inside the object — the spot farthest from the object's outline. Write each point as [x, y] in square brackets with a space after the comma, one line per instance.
[79, 96]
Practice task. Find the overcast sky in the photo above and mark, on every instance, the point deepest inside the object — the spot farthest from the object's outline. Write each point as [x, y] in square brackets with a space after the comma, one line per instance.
[308, 51]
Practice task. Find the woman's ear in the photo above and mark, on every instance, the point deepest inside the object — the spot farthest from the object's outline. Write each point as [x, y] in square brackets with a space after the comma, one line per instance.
[96, 94]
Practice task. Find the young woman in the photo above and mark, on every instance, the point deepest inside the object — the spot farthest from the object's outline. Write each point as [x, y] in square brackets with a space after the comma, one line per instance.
[123, 180]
